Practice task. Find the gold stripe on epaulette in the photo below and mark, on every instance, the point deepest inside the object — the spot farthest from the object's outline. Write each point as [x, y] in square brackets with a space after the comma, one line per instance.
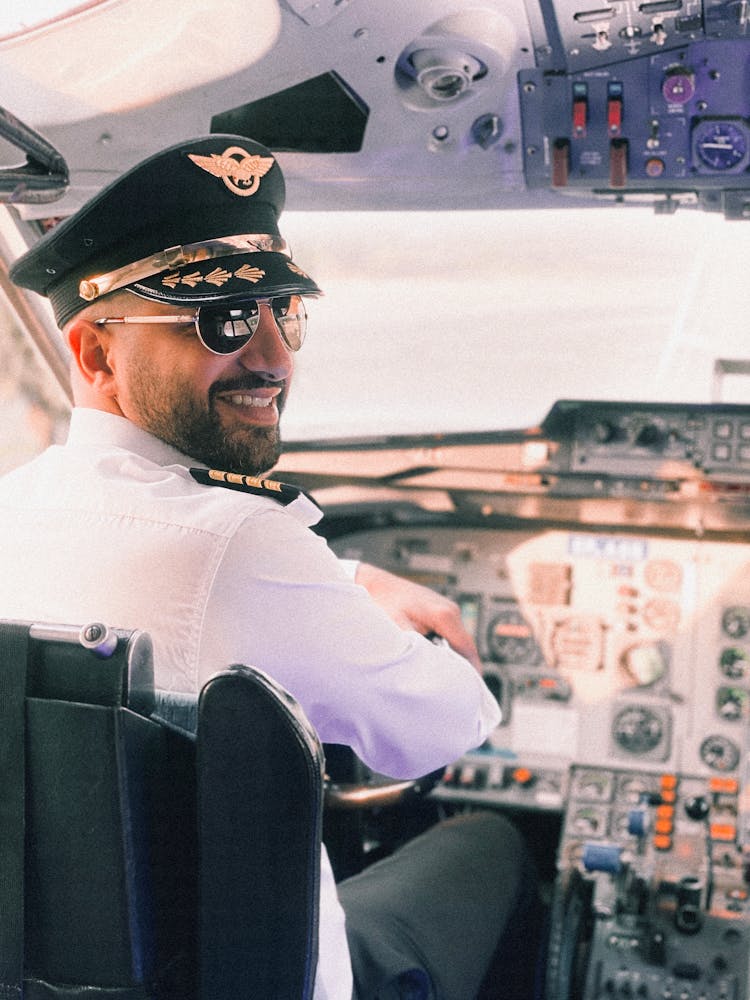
[255, 481]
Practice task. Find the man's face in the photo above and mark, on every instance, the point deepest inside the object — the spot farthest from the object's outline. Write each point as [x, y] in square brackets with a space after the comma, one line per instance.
[221, 410]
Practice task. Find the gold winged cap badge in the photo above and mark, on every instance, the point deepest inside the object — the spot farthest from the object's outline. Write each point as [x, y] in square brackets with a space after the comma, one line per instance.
[238, 169]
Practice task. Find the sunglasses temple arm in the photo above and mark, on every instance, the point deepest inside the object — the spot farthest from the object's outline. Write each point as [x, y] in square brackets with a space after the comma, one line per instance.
[144, 319]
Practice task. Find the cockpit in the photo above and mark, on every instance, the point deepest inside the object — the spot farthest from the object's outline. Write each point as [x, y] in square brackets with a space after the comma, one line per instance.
[526, 387]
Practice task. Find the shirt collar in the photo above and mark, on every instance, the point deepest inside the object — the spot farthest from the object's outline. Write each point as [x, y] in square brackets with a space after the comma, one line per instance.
[96, 428]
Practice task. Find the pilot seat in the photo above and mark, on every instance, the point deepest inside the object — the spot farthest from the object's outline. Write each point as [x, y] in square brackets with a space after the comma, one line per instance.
[144, 856]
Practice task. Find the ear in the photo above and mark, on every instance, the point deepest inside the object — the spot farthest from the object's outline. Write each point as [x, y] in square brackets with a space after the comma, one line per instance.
[90, 346]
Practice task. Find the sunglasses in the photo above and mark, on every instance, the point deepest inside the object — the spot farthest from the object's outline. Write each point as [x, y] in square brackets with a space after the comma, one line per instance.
[225, 330]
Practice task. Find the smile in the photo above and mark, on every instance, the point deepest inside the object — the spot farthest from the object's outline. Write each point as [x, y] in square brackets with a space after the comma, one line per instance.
[245, 399]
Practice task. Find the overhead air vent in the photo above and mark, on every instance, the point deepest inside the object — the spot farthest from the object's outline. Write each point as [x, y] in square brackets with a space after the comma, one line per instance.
[444, 73]
[454, 57]
[321, 115]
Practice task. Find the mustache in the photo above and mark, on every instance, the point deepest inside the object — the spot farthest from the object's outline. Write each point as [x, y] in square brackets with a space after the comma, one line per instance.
[246, 383]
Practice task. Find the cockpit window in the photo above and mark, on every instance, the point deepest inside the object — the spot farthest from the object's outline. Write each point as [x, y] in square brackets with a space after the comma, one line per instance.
[458, 321]
[33, 408]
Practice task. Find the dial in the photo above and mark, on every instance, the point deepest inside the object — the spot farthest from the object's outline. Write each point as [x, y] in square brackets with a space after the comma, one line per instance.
[510, 638]
[734, 662]
[633, 788]
[594, 786]
[720, 753]
[720, 145]
[588, 822]
[663, 574]
[732, 703]
[678, 86]
[638, 729]
[736, 622]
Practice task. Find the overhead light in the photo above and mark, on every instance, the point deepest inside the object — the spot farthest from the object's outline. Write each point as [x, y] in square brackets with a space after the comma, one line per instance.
[37, 14]
[59, 67]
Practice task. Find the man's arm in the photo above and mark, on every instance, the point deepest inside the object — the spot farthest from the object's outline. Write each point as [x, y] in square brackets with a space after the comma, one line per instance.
[282, 601]
[413, 606]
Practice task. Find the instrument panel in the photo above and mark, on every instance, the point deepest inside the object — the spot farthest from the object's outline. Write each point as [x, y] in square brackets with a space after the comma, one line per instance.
[603, 648]
[608, 590]
[621, 662]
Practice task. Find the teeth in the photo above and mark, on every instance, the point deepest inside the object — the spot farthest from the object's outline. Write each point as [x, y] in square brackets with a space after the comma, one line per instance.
[241, 399]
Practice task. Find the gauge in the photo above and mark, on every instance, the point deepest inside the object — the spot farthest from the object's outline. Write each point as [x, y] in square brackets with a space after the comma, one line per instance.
[731, 703]
[588, 823]
[595, 786]
[662, 614]
[663, 574]
[510, 638]
[638, 729]
[736, 622]
[734, 662]
[720, 145]
[578, 643]
[720, 753]
[634, 788]
[678, 86]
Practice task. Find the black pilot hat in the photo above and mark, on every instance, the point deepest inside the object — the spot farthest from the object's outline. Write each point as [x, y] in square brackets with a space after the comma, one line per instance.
[196, 223]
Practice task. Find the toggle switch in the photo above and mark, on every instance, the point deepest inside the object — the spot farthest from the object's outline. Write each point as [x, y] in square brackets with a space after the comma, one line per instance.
[580, 109]
[560, 163]
[614, 108]
[618, 163]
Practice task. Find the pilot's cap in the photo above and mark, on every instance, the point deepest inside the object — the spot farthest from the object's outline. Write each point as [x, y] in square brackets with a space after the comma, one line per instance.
[197, 223]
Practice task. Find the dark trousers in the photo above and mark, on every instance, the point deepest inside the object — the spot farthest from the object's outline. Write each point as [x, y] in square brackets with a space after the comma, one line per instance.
[449, 916]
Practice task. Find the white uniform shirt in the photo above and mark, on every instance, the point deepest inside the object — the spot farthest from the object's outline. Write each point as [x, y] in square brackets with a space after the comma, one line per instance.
[111, 527]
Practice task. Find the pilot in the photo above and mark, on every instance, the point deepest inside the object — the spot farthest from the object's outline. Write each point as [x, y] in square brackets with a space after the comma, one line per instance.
[183, 311]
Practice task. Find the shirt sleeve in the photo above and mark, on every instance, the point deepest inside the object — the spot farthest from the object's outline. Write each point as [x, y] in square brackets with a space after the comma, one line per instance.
[283, 602]
[350, 567]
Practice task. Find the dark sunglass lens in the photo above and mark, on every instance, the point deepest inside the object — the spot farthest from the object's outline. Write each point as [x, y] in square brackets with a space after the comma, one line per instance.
[291, 319]
[225, 331]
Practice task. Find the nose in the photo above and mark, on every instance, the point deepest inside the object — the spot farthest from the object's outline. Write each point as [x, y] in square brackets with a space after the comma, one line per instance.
[266, 353]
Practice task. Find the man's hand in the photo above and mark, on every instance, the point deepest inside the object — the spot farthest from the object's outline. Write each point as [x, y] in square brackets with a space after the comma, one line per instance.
[413, 606]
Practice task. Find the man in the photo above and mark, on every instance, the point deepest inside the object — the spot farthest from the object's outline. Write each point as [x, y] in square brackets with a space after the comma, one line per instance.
[183, 311]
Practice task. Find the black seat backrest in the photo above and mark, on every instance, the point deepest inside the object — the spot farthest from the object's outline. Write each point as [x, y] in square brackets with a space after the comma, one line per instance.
[260, 795]
[141, 862]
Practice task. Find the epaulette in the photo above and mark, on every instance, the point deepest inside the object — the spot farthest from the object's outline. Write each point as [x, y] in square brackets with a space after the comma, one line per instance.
[282, 493]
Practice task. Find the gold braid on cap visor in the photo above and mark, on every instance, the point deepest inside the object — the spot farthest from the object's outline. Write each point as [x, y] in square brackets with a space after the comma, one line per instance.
[224, 246]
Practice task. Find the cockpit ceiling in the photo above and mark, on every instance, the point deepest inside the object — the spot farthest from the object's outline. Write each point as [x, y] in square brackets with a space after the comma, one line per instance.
[386, 105]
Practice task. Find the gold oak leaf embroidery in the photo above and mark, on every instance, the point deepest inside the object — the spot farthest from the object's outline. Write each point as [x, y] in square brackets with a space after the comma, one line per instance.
[192, 279]
[218, 277]
[248, 273]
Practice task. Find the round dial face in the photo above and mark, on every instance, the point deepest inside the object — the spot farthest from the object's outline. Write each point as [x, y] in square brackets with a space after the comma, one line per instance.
[510, 638]
[638, 730]
[734, 662]
[721, 145]
[720, 753]
[732, 703]
[678, 86]
[736, 622]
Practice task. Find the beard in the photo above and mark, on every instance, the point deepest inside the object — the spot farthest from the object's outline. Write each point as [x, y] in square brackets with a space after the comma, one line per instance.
[175, 414]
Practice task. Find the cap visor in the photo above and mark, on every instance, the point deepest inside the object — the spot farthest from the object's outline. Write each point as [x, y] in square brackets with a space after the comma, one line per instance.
[227, 279]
